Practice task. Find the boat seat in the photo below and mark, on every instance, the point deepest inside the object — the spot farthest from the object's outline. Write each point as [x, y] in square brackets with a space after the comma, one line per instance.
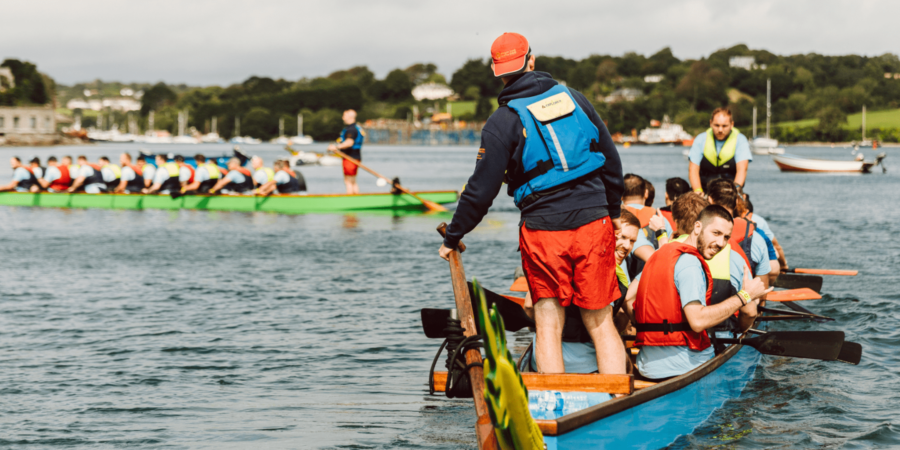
[564, 382]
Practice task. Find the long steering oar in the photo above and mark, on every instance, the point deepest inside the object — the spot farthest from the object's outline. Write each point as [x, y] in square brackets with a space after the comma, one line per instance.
[846, 273]
[428, 203]
[484, 429]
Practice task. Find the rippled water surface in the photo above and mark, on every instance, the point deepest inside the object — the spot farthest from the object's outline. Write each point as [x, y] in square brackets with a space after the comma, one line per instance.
[193, 329]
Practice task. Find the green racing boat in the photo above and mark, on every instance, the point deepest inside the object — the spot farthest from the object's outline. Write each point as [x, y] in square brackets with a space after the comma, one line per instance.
[284, 204]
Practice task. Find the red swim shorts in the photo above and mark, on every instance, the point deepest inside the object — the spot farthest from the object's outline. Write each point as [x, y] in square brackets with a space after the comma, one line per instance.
[350, 169]
[576, 266]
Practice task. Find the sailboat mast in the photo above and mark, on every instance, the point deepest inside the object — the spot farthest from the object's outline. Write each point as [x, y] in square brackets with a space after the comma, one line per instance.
[768, 105]
[864, 123]
[754, 121]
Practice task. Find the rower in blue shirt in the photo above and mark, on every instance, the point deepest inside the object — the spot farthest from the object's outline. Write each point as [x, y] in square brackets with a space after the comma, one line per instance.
[673, 311]
[23, 179]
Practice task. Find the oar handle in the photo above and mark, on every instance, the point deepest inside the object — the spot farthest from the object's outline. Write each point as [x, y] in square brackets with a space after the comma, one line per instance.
[845, 273]
[442, 229]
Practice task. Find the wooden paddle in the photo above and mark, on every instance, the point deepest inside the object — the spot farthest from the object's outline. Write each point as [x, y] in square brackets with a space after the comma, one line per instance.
[428, 203]
[793, 295]
[846, 273]
[484, 429]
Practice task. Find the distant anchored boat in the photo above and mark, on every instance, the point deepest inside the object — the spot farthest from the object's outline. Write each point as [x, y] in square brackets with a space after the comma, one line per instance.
[664, 133]
[791, 163]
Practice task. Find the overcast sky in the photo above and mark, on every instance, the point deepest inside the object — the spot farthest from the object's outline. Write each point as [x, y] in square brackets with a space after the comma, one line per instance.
[226, 41]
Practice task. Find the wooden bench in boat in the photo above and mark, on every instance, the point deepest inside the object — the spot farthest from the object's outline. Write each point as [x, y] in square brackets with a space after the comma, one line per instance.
[564, 382]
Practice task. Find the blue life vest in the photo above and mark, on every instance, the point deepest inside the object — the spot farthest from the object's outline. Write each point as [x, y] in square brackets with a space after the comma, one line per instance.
[358, 142]
[561, 143]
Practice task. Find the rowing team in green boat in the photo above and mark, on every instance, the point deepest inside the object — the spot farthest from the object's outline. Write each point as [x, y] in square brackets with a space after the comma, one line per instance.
[163, 177]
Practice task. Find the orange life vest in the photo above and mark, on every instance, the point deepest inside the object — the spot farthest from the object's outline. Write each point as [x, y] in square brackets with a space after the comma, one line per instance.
[644, 214]
[741, 238]
[64, 181]
[191, 169]
[657, 309]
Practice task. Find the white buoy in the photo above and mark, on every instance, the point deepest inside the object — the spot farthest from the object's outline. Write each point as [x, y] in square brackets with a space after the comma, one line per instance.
[382, 182]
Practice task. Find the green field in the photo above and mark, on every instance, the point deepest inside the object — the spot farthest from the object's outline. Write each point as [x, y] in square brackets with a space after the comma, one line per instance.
[466, 107]
[874, 119]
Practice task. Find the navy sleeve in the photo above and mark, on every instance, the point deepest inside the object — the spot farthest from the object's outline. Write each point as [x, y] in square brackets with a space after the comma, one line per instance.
[611, 174]
[482, 187]
[351, 134]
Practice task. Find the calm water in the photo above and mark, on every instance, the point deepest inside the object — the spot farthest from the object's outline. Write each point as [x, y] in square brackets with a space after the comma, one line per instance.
[190, 329]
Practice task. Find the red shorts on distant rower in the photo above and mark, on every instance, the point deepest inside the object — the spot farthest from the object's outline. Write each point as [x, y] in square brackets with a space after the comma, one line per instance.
[350, 169]
[576, 266]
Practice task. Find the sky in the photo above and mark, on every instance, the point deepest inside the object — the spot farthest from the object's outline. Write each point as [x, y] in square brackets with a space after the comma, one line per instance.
[202, 42]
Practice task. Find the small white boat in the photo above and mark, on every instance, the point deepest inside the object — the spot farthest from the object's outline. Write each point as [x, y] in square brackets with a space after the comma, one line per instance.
[300, 140]
[790, 163]
[185, 139]
[765, 146]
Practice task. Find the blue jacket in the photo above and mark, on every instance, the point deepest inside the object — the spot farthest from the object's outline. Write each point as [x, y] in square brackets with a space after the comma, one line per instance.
[502, 141]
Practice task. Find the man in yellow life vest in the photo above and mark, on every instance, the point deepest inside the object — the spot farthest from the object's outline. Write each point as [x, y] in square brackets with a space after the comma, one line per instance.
[111, 173]
[261, 174]
[719, 152]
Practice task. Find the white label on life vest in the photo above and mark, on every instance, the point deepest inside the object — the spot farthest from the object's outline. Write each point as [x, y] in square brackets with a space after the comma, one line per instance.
[552, 107]
[559, 151]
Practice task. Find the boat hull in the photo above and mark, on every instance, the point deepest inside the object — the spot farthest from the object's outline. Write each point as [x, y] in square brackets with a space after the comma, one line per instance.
[284, 204]
[658, 422]
[793, 164]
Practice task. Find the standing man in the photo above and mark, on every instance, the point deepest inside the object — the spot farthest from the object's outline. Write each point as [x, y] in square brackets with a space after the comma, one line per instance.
[570, 198]
[23, 179]
[720, 152]
[351, 142]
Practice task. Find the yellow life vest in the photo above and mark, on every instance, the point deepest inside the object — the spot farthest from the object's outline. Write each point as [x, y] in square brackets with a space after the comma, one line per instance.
[116, 170]
[270, 174]
[720, 265]
[172, 169]
[728, 148]
[213, 170]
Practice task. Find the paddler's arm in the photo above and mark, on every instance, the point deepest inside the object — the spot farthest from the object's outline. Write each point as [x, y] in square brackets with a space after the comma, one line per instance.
[630, 297]
[484, 184]
[702, 317]
[694, 176]
[220, 184]
[741, 176]
[121, 187]
[782, 260]
[347, 143]
[191, 187]
[8, 187]
[266, 188]
[76, 184]
[611, 174]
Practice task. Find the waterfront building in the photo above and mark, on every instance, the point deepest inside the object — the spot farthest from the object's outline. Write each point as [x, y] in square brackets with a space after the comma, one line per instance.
[27, 120]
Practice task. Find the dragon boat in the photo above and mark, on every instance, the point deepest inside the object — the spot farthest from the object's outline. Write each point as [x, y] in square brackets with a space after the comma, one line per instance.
[579, 411]
[284, 204]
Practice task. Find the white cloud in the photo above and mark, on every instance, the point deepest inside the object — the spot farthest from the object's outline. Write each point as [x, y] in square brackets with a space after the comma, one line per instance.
[226, 41]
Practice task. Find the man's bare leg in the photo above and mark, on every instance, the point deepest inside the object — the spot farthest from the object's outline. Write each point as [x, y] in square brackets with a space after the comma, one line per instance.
[350, 183]
[607, 342]
[549, 318]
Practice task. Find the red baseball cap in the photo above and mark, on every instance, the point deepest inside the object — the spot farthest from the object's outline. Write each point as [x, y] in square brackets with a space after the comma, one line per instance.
[509, 53]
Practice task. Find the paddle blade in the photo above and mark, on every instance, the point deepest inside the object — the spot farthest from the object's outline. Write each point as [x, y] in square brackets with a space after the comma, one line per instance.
[432, 206]
[846, 273]
[851, 353]
[800, 309]
[793, 295]
[520, 285]
[514, 317]
[822, 345]
[792, 281]
[434, 321]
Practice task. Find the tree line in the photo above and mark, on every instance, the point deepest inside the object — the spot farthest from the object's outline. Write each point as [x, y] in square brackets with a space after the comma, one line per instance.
[804, 86]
